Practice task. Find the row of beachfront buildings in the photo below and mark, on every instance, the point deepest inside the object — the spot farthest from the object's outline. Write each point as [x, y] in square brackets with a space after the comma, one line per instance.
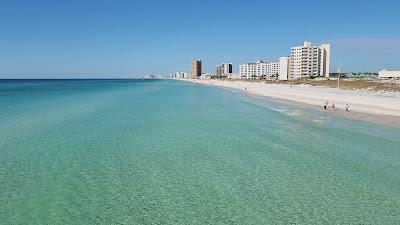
[305, 61]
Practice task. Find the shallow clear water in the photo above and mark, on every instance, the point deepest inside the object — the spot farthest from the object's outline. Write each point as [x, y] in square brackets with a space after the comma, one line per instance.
[170, 152]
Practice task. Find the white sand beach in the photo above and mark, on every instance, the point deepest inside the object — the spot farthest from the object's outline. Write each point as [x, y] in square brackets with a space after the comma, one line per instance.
[372, 106]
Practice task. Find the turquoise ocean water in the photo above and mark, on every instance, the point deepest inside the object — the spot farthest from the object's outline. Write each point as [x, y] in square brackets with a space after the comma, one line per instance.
[171, 152]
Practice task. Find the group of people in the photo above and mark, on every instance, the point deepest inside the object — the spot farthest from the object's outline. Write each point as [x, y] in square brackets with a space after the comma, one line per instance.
[326, 105]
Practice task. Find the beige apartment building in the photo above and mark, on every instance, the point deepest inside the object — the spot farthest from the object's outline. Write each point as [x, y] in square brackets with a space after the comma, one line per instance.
[223, 70]
[196, 69]
[310, 61]
[389, 74]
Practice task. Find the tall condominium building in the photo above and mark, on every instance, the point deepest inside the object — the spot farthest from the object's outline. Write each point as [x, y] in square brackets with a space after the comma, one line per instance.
[309, 61]
[224, 69]
[284, 68]
[196, 69]
[326, 59]
[257, 70]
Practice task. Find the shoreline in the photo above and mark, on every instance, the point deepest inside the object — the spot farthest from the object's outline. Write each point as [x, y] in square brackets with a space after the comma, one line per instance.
[362, 106]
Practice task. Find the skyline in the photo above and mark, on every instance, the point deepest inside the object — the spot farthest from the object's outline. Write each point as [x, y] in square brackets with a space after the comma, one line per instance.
[112, 39]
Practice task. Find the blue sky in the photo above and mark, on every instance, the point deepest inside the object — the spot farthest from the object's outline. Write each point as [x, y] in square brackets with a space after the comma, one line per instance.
[117, 38]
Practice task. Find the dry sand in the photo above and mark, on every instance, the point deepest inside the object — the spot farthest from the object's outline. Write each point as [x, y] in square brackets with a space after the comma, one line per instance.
[377, 107]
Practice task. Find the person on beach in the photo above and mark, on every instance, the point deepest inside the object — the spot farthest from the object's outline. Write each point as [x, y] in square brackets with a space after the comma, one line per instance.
[333, 106]
[326, 105]
[347, 108]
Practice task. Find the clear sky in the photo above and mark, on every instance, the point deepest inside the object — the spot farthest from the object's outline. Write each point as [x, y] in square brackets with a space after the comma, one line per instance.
[117, 38]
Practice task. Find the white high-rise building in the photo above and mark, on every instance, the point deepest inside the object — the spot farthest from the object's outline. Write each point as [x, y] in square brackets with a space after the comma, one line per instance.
[273, 70]
[284, 68]
[257, 70]
[260, 70]
[309, 61]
